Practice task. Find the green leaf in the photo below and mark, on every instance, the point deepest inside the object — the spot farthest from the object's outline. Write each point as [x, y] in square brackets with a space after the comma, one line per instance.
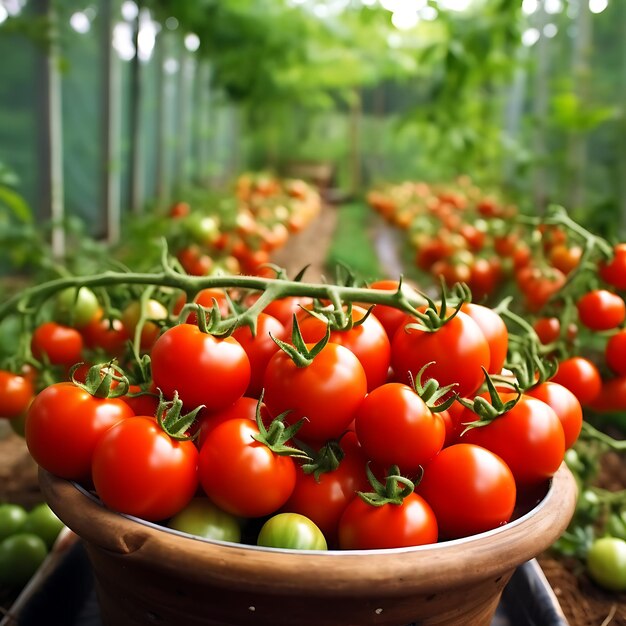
[16, 204]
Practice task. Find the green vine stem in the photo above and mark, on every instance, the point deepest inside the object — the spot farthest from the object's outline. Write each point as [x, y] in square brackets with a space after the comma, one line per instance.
[590, 432]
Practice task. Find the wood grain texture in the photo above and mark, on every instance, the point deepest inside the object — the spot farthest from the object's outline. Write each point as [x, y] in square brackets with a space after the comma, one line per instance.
[148, 575]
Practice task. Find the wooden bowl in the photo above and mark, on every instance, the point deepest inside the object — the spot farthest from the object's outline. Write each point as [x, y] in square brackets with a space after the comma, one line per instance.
[149, 575]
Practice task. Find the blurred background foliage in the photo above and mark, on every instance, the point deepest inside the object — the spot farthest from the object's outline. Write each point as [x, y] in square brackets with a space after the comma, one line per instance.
[525, 97]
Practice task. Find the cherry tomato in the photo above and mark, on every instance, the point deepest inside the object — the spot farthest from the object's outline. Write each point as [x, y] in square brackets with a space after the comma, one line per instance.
[64, 424]
[612, 396]
[470, 489]
[60, 345]
[566, 406]
[205, 298]
[77, 310]
[601, 310]
[12, 518]
[323, 499]
[21, 555]
[528, 438]
[260, 348]
[138, 469]
[292, 531]
[613, 272]
[283, 309]
[42, 521]
[203, 369]
[242, 475]
[327, 392]
[108, 335]
[368, 341]
[548, 329]
[581, 377]
[395, 427]
[389, 316]
[16, 394]
[366, 527]
[203, 519]
[140, 401]
[606, 563]
[495, 331]
[459, 350]
[615, 352]
[154, 312]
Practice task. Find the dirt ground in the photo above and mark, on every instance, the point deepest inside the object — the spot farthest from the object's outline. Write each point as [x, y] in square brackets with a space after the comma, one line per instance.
[583, 603]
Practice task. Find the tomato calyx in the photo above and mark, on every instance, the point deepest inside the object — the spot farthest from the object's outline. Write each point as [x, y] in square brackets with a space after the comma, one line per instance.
[529, 367]
[100, 378]
[489, 410]
[434, 316]
[169, 418]
[326, 459]
[393, 491]
[299, 353]
[277, 435]
[431, 393]
[338, 319]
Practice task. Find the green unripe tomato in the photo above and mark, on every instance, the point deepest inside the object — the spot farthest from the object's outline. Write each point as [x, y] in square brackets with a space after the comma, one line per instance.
[20, 557]
[43, 522]
[202, 518]
[606, 563]
[12, 518]
[293, 531]
[73, 310]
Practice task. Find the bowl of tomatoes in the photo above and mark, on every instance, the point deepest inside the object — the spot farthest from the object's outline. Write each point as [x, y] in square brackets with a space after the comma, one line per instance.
[147, 573]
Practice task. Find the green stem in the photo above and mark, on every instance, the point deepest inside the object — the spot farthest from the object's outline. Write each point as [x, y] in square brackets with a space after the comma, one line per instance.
[593, 433]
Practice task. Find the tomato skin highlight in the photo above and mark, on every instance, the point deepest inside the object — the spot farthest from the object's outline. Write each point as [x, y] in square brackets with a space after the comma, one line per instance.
[366, 527]
[138, 469]
[470, 489]
[203, 369]
[203, 519]
[241, 475]
[606, 563]
[495, 331]
[63, 426]
[395, 427]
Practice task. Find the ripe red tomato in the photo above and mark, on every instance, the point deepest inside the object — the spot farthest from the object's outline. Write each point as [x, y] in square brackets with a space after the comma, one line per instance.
[470, 489]
[108, 335]
[325, 498]
[613, 272]
[328, 392]
[368, 341]
[60, 345]
[205, 298]
[242, 475]
[138, 469]
[539, 285]
[495, 331]
[612, 396]
[459, 350]
[16, 394]
[203, 369]
[528, 438]
[581, 377]
[395, 427]
[366, 527]
[283, 309]
[566, 406]
[601, 310]
[141, 403]
[63, 425]
[260, 348]
[615, 352]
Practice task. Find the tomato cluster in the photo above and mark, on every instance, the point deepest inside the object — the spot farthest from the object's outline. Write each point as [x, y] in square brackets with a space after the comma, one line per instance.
[318, 425]
[26, 537]
[240, 234]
